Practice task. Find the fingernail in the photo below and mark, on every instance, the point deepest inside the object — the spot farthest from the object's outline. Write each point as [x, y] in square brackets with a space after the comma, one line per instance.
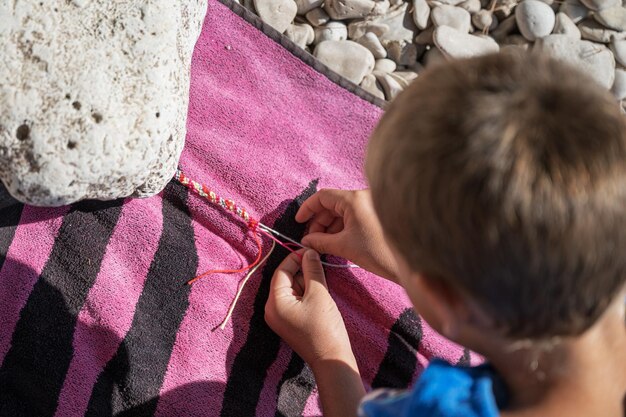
[312, 255]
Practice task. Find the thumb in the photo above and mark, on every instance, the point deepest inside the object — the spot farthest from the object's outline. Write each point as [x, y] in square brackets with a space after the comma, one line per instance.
[321, 242]
[313, 272]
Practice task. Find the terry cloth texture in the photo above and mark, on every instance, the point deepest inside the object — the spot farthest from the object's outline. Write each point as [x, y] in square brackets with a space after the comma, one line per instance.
[95, 316]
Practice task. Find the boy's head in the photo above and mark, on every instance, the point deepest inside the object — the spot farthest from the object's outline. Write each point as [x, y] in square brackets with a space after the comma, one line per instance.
[505, 177]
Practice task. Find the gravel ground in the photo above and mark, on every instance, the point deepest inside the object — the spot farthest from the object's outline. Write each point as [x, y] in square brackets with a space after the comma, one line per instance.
[383, 45]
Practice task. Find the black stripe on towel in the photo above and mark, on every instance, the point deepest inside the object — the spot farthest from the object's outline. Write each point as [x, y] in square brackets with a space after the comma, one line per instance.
[400, 362]
[295, 388]
[465, 359]
[34, 368]
[130, 383]
[9, 219]
[260, 349]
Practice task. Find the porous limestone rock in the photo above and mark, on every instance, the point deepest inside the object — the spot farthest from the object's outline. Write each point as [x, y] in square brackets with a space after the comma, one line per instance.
[93, 96]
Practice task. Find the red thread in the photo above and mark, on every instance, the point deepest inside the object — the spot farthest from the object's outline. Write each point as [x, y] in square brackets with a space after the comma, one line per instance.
[253, 228]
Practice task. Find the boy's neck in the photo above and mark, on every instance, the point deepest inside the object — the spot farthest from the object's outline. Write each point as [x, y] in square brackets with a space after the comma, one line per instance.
[582, 375]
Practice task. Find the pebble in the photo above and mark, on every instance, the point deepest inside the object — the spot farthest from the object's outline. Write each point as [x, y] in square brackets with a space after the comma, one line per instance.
[484, 20]
[574, 10]
[421, 13]
[360, 28]
[372, 86]
[346, 58]
[332, 31]
[305, 6]
[619, 84]
[594, 59]
[408, 76]
[277, 13]
[402, 53]
[505, 8]
[433, 57]
[594, 31]
[348, 9]
[472, 6]
[435, 3]
[371, 42]
[301, 34]
[317, 17]
[425, 37]
[385, 65]
[455, 44]
[381, 7]
[565, 26]
[535, 19]
[619, 51]
[601, 4]
[612, 18]
[399, 22]
[454, 17]
[505, 27]
[391, 87]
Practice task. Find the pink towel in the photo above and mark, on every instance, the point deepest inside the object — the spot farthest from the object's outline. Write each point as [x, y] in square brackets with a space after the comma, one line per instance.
[95, 316]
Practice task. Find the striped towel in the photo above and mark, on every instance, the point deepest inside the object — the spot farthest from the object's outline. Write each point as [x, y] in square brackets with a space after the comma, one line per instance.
[95, 316]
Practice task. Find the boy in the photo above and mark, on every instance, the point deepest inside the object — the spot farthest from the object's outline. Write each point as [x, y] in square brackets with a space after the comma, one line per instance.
[498, 201]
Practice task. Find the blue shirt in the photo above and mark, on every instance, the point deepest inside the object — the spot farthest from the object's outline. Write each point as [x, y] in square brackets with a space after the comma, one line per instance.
[442, 390]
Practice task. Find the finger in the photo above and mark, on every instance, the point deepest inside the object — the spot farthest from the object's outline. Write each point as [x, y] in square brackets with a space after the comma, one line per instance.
[313, 272]
[321, 221]
[283, 276]
[327, 199]
[298, 284]
[336, 226]
[322, 242]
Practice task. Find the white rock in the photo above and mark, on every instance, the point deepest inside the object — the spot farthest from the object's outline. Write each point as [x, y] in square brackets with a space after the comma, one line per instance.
[384, 65]
[435, 3]
[371, 42]
[619, 51]
[398, 21]
[619, 84]
[402, 53]
[347, 58]
[485, 20]
[601, 4]
[348, 9]
[472, 6]
[333, 31]
[359, 28]
[574, 10]
[565, 26]
[535, 19]
[372, 86]
[596, 60]
[301, 34]
[277, 13]
[454, 17]
[593, 31]
[505, 9]
[406, 77]
[317, 17]
[612, 18]
[305, 6]
[421, 13]
[93, 100]
[390, 85]
[457, 45]
[381, 7]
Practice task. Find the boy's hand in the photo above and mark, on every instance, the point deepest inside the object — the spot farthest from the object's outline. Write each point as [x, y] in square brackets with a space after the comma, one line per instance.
[343, 223]
[302, 312]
